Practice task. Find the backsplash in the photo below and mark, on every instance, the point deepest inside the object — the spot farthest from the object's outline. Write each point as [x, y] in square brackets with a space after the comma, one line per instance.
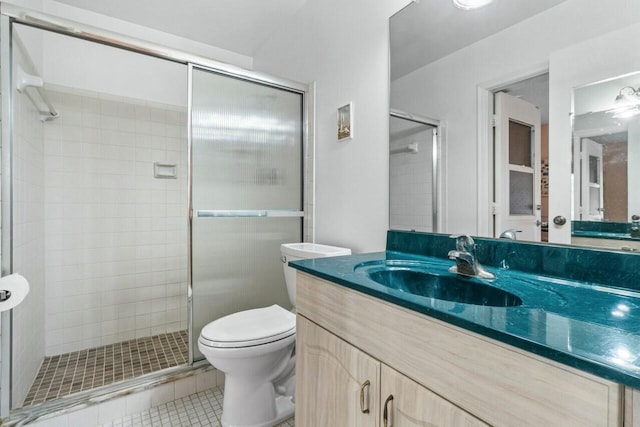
[601, 226]
[618, 269]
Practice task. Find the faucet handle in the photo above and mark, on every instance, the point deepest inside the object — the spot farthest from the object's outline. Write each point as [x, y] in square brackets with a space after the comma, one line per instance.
[510, 234]
[464, 242]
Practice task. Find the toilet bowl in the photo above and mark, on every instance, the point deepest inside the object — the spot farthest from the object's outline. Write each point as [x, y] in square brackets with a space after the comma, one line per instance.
[256, 351]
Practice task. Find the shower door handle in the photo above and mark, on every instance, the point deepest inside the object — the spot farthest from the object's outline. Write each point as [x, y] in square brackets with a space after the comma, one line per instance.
[248, 213]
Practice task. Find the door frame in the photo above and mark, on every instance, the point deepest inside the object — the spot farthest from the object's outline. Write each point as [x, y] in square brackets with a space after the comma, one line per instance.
[484, 148]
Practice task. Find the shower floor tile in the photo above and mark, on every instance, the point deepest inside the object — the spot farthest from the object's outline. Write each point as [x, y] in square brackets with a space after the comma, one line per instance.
[68, 373]
[200, 409]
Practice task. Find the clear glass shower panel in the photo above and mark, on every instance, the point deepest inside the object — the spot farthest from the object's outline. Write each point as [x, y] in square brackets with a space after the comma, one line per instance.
[246, 194]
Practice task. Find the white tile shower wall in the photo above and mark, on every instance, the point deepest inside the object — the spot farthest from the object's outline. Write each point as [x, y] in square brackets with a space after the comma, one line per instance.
[28, 241]
[116, 237]
[410, 186]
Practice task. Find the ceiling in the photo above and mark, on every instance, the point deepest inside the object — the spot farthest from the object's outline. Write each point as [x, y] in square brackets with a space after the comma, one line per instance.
[421, 33]
[428, 30]
[240, 26]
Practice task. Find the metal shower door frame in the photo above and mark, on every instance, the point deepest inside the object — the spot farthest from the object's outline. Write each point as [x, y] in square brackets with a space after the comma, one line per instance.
[436, 147]
[11, 14]
[228, 214]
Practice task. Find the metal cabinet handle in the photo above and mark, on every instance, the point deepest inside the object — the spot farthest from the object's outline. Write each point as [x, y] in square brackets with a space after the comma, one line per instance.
[362, 408]
[385, 413]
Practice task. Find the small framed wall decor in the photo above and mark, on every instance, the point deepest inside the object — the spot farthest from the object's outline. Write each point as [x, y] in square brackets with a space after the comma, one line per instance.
[345, 122]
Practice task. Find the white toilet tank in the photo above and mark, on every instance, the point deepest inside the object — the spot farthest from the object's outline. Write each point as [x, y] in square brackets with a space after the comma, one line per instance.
[296, 251]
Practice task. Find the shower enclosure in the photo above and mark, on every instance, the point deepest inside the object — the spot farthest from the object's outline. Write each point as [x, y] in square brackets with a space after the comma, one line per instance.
[414, 156]
[153, 202]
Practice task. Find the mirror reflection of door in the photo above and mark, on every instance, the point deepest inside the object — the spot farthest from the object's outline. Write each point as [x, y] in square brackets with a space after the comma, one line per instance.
[591, 181]
[517, 172]
[601, 186]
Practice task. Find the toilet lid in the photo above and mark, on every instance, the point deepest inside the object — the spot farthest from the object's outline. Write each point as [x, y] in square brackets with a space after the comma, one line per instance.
[250, 327]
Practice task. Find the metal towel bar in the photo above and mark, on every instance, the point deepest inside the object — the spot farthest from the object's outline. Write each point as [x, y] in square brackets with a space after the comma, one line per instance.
[247, 213]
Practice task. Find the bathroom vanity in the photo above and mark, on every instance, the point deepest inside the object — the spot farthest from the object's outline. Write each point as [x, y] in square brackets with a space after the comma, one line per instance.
[374, 355]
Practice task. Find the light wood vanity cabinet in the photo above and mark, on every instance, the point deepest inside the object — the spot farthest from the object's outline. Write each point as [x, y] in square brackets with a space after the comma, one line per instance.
[343, 386]
[340, 384]
[438, 374]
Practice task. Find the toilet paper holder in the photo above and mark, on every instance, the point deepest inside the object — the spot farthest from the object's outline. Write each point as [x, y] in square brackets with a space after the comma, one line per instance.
[4, 295]
[13, 289]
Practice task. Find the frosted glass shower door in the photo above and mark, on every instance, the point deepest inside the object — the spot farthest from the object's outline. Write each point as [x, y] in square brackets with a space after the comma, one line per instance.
[246, 194]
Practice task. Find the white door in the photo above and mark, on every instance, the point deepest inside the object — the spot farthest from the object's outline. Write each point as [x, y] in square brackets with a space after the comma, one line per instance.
[516, 167]
[591, 182]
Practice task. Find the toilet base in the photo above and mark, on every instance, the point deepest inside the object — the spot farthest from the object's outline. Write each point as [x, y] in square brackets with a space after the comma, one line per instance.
[285, 409]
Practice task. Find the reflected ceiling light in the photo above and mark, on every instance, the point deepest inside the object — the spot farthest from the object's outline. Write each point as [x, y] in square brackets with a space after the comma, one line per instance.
[470, 4]
[626, 103]
[626, 112]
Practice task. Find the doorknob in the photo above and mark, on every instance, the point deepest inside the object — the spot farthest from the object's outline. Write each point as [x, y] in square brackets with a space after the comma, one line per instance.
[559, 220]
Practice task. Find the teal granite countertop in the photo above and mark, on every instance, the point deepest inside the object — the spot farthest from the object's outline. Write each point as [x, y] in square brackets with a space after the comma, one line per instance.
[580, 307]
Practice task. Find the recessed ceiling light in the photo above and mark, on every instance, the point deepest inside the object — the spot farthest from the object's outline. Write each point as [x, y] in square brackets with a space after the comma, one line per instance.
[470, 4]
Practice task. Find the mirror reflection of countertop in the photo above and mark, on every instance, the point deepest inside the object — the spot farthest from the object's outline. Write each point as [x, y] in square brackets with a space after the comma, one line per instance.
[604, 230]
[604, 235]
[589, 326]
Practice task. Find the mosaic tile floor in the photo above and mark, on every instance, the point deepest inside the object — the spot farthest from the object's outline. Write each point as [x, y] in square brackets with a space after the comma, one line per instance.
[197, 410]
[69, 373]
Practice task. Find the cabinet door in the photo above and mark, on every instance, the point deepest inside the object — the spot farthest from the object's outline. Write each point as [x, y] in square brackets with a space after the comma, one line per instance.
[414, 405]
[330, 381]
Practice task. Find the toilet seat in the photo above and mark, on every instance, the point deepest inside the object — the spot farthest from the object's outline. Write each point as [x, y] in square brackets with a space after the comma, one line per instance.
[249, 328]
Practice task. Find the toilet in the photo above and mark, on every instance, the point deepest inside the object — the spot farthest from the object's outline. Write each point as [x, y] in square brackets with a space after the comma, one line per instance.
[256, 351]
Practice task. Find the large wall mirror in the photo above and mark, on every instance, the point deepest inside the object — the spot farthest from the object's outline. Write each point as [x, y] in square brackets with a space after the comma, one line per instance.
[538, 110]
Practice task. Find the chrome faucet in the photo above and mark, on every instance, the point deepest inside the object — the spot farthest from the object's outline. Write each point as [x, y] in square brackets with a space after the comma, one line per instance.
[466, 261]
[510, 234]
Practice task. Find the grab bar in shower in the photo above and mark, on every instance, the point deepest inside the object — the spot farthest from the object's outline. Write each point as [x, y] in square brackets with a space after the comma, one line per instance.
[24, 81]
[247, 213]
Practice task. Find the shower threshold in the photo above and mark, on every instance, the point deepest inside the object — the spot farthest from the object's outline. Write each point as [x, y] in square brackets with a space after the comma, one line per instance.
[69, 373]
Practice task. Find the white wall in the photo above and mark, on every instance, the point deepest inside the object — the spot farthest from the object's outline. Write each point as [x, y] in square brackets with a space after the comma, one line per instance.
[448, 88]
[343, 47]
